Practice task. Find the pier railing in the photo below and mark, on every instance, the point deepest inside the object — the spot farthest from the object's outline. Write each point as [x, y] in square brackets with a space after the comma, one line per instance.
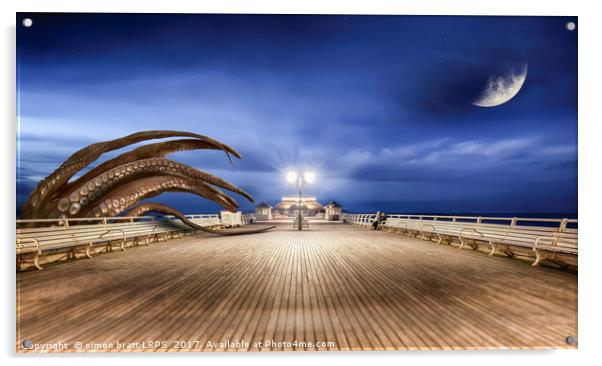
[561, 223]
[202, 219]
[237, 219]
[554, 239]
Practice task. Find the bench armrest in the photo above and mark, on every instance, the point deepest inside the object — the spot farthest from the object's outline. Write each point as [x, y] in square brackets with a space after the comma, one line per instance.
[553, 240]
[35, 241]
[101, 236]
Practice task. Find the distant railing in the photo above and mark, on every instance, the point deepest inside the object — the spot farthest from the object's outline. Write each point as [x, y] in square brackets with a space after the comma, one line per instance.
[561, 223]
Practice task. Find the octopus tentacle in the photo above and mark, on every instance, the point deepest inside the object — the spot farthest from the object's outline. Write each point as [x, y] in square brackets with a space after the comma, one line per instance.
[122, 198]
[156, 150]
[93, 152]
[83, 157]
[120, 183]
[163, 209]
[96, 188]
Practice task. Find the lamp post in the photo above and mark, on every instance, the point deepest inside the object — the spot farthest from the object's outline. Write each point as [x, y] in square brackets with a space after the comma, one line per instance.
[300, 180]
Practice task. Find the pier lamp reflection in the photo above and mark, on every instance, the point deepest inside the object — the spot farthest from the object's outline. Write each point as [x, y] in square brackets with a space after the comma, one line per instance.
[300, 180]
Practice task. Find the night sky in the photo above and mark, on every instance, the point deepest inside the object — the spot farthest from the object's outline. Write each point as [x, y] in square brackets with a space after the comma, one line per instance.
[379, 106]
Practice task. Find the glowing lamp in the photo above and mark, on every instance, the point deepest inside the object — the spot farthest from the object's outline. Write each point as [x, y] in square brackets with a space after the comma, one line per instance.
[291, 177]
[310, 177]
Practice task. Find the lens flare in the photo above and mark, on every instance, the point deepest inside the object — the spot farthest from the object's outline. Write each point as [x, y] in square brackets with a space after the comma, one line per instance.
[310, 177]
[291, 177]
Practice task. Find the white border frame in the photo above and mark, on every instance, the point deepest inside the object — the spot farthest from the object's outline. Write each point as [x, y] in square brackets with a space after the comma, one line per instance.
[590, 203]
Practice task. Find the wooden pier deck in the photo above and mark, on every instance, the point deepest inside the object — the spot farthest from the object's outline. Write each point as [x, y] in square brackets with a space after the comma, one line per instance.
[342, 287]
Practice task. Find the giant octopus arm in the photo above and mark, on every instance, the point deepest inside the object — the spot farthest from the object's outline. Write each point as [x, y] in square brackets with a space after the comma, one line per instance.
[156, 150]
[129, 194]
[48, 186]
[94, 190]
[120, 183]
[143, 208]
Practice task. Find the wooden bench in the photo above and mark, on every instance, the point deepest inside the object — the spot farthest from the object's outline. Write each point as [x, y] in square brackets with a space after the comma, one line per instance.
[83, 237]
[535, 238]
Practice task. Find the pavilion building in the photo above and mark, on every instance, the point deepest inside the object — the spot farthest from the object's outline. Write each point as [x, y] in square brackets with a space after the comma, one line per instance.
[263, 212]
[333, 211]
[289, 207]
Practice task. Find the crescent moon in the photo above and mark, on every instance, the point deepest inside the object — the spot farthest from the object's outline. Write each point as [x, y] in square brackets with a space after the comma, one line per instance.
[500, 89]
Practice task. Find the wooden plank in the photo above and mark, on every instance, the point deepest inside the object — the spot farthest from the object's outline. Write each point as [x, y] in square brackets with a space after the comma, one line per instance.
[357, 288]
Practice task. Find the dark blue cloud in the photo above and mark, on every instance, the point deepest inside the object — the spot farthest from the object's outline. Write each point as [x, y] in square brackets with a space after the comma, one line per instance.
[380, 106]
